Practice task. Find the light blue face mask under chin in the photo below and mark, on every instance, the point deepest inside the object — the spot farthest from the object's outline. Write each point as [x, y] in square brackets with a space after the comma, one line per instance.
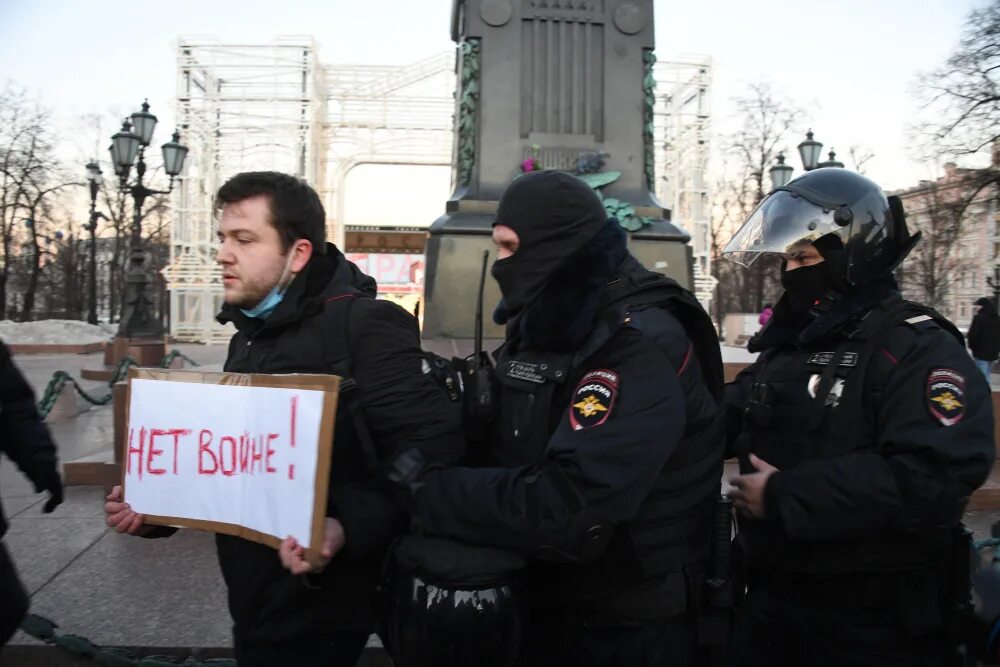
[267, 305]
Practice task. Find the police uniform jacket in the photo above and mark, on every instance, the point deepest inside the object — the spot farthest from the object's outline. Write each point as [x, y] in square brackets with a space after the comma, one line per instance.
[880, 427]
[602, 471]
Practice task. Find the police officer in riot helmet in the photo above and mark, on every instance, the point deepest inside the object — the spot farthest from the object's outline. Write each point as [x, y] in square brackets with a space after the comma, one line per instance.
[605, 450]
[861, 431]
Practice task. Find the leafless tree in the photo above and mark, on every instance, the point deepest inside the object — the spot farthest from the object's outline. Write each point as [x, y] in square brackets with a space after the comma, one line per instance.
[961, 99]
[40, 204]
[860, 155]
[941, 211]
[766, 120]
[26, 166]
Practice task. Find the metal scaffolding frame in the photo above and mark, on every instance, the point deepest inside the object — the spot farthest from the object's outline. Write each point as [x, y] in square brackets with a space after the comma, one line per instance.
[245, 107]
[250, 107]
[682, 124]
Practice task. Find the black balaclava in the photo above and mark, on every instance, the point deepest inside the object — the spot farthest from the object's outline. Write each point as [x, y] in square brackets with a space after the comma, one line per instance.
[804, 286]
[554, 215]
[807, 285]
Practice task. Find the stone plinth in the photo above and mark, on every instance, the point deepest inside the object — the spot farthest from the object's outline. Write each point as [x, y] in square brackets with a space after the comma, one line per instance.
[146, 351]
[555, 85]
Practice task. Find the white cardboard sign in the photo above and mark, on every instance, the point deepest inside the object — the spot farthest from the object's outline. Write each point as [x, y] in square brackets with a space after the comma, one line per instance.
[243, 457]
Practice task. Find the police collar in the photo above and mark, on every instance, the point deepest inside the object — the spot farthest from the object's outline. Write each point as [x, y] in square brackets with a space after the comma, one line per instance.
[837, 312]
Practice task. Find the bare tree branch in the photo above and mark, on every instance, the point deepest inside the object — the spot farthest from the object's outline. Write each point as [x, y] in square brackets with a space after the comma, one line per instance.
[961, 99]
[767, 120]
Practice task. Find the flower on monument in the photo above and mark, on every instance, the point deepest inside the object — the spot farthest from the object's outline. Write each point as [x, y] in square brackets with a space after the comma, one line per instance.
[532, 163]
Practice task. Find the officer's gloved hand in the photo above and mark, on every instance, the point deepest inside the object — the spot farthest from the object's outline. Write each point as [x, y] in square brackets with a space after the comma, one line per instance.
[404, 475]
[52, 483]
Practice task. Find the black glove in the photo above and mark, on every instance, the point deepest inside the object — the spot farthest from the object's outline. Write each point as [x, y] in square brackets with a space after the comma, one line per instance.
[404, 476]
[52, 483]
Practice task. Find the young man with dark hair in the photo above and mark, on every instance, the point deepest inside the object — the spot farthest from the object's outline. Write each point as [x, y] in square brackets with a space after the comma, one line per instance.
[299, 306]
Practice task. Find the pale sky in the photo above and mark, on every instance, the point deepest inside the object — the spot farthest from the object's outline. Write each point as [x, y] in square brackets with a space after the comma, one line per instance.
[849, 63]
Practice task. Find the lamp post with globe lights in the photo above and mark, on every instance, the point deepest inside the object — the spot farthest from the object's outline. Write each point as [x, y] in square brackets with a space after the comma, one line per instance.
[809, 153]
[127, 148]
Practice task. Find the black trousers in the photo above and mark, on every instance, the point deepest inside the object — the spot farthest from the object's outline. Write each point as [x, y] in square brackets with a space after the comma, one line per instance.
[784, 626]
[338, 649]
[565, 640]
[13, 598]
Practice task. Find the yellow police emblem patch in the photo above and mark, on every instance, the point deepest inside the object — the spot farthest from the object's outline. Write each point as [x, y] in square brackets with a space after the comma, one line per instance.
[594, 399]
[946, 395]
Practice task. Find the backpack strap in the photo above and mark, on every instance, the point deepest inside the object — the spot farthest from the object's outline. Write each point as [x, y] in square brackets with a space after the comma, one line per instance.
[647, 289]
[338, 351]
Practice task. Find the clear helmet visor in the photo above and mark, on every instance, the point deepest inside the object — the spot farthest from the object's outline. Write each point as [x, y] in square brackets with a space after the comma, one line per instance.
[782, 223]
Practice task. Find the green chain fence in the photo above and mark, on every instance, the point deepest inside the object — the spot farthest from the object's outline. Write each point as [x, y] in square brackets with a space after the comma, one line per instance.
[44, 630]
[60, 378]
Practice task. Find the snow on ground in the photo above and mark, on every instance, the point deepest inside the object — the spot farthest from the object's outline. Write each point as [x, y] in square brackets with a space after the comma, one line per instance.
[55, 332]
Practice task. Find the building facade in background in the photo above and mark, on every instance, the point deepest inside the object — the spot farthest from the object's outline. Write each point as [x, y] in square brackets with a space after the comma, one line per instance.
[959, 219]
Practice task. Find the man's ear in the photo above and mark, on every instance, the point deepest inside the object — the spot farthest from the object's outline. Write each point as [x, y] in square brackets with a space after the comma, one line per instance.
[302, 251]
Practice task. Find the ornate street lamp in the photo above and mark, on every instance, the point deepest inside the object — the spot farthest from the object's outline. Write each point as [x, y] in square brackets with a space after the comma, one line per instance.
[95, 181]
[809, 151]
[831, 161]
[138, 320]
[780, 172]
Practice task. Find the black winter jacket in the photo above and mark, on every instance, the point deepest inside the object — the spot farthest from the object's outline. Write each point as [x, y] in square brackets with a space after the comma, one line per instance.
[24, 438]
[881, 471]
[403, 408]
[567, 472]
[984, 334]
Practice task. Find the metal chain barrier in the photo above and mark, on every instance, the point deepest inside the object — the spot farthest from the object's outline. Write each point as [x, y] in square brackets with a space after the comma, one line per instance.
[60, 378]
[44, 630]
[174, 354]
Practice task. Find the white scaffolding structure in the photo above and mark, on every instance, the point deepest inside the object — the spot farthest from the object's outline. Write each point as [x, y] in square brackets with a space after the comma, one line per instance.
[386, 115]
[682, 125]
[252, 107]
[240, 107]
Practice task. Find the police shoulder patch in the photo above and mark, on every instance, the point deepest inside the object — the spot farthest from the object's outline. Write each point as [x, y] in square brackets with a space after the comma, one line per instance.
[946, 395]
[594, 399]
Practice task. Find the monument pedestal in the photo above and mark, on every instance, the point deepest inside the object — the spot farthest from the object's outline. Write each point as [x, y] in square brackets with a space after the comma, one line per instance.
[148, 352]
[568, 86]
[454, 259]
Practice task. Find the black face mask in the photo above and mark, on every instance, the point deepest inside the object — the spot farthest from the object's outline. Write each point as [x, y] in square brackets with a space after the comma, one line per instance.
[554, 215]
[805, 286]
[512, 299]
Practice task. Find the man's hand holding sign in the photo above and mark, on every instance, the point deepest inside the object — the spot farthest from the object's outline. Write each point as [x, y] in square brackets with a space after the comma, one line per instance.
[245, 455]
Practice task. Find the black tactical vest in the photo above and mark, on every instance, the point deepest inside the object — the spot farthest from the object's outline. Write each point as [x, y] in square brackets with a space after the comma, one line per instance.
[672, 531]
[818, 403]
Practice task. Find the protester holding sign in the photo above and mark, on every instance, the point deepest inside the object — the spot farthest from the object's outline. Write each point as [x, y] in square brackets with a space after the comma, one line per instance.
[300, 307]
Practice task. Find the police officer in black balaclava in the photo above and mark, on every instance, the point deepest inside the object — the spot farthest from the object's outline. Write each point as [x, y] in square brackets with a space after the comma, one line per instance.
[606, 447]
[861, 431]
